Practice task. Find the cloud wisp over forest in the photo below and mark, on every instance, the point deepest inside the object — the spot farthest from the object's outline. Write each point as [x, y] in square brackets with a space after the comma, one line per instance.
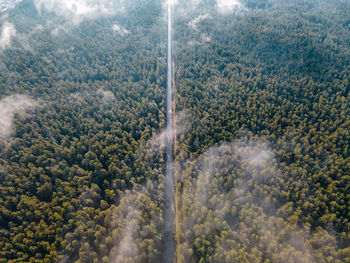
[77, 10]
[228, 6]
[261, 115]
[7, 33]
[223, 194]
[9, 107]
[223, 7]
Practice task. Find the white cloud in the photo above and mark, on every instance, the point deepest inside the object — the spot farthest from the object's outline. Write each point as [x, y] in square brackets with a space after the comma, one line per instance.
[194, 22]
[173, 2]
[129, 214]
[205, 38]
[182, 121]
[255, 155]
[184, 8]
[120, 30]
[228, 6]
[8, 31]
[9, 107]
[77, 10]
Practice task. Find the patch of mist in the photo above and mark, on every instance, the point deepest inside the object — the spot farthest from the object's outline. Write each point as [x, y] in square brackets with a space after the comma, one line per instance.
[228, 6]
[223, 191]
[252, 157]
[158, 142]
[122, 31]
[222, 6]
[9, 107]
[25, 39]
[205, 38]
[181, 7]
[194, 22]
[8, 32]
[181, 123]
[77, 10]
[136, 226]
[127, 214]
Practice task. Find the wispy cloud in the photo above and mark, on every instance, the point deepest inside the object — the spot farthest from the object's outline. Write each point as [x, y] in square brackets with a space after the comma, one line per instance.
[9, 107]
[120, 30]
[129, 214]
[136, 225]
[222, 6]
[182, 123]
[228, 6]
[25, 40]
[205, 38]
[224, 190]
[194, 22]
[8, 31]
[76, 10]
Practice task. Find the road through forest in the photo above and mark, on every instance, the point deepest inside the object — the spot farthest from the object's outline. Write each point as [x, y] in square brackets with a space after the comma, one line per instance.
[169, 244]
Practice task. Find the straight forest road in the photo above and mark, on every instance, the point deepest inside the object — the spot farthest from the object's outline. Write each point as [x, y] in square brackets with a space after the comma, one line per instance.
[169, 236]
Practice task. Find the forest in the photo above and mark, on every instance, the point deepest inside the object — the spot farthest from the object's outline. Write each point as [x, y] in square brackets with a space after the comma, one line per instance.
[262, 123]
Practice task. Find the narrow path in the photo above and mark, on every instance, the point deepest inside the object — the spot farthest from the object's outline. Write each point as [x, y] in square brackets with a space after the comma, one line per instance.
[169, 246]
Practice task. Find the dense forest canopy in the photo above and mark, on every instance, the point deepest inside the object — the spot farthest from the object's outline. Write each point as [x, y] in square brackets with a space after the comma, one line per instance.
[261, 107]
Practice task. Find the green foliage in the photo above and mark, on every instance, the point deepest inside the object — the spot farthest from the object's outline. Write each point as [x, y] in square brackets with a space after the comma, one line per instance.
[65, 169]
[262, 160]
[275, 82]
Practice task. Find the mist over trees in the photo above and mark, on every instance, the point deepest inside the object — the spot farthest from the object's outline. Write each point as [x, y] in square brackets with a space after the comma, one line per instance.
[262, 106]
[263, 168]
